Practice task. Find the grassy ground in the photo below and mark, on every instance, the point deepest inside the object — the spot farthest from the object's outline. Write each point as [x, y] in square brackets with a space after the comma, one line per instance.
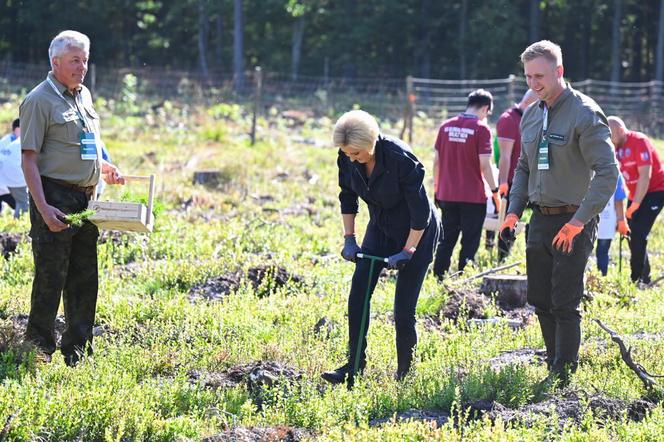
[276, 205]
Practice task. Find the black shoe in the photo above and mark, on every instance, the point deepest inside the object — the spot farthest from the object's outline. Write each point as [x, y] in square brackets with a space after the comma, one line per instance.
[339, 375]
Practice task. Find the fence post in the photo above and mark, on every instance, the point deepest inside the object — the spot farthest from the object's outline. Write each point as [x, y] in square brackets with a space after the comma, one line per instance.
[93, 79]
[511, 94]
[257, 102]
[411, 106]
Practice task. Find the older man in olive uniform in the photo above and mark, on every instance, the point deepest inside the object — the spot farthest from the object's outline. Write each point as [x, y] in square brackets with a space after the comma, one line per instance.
[567, 172]
[62, 164]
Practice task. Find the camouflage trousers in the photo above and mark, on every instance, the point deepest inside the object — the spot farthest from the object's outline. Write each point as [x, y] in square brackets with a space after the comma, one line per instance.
[65, 266]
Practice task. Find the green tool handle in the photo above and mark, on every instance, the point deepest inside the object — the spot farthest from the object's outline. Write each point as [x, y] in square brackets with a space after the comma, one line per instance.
[373, 258]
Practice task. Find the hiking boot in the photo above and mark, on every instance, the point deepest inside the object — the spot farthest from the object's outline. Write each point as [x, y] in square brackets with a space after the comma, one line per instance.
[340, 374]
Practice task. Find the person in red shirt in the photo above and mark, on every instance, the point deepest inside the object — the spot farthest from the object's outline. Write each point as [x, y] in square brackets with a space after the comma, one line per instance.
[462, 157]
[509, 142]
[644, 176]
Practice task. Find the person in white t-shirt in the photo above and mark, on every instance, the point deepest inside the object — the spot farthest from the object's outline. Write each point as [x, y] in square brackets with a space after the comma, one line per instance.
[612, 218]
[11, 174]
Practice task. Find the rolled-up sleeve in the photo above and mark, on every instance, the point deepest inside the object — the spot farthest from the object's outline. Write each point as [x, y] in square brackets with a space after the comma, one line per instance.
[598, 153]
[411, 179]
[34, 123]
[347, 197]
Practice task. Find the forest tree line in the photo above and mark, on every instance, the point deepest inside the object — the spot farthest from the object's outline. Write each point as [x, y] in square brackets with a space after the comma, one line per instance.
[619, 40]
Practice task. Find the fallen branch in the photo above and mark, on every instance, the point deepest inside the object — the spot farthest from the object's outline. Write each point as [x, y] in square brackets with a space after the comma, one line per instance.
[654, 282]
[626, 354]
[8, 424]
[490, 271]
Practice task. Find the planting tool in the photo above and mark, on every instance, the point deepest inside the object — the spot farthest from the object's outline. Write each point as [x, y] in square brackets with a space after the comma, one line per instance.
[365, 311]
[620, 254]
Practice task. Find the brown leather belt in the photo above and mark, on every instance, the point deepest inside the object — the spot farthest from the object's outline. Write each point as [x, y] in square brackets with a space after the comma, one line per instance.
[559, 210]
[88, 190]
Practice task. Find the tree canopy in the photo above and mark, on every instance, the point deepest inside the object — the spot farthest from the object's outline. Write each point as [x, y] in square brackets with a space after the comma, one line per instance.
[602, 39]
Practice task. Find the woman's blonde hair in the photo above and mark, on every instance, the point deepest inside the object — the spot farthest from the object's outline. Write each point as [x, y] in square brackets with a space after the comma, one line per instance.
[356, 129]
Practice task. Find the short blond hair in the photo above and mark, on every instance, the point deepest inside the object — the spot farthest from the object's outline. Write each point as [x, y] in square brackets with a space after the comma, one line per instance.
[356, 129]
[543, 48]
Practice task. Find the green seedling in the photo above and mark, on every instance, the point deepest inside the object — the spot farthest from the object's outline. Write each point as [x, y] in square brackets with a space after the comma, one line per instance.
[77, 219]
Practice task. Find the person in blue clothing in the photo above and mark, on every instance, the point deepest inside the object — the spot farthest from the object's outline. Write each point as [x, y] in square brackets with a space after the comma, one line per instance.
[403, 226]
[612, 218]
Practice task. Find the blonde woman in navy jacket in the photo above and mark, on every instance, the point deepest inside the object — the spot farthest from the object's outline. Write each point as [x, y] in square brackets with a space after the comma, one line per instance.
[403, 226]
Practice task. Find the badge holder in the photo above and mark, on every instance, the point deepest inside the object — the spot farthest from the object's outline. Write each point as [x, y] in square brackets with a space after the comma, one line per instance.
[125, 216]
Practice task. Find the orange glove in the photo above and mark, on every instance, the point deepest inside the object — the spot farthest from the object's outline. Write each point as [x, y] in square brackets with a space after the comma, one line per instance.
[631, 209]
[564, 240]
[623, 228]
[508, 228]
[504, 189]
[496, 200]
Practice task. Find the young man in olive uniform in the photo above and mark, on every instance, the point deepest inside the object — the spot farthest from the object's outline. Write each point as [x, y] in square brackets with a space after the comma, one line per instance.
[567, 172]
[62, 164]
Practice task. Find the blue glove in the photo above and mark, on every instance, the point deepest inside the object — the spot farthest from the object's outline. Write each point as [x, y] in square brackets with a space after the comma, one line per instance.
[351, 249]
[399, 261]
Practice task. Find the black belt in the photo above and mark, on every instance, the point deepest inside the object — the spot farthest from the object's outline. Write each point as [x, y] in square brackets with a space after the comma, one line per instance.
[558, 210]
[88, 190]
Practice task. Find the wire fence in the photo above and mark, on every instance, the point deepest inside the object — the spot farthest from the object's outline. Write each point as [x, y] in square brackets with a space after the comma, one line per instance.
[640, 104]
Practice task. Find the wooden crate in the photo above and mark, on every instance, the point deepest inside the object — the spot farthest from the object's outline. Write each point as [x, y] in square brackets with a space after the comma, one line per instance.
[125, 216]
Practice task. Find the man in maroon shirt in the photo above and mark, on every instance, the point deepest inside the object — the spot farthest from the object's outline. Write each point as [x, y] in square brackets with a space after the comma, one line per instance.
[462, 157]
[509, 141]
[644, 176]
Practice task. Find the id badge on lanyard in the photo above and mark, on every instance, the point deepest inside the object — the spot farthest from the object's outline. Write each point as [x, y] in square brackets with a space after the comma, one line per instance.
[543, 148]
[88, 141]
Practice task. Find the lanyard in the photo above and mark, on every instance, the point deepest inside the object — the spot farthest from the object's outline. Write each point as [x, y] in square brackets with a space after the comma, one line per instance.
[75, 109]
[545, 121]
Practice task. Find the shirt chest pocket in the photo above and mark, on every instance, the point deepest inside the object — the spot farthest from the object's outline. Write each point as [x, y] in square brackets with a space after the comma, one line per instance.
[93, 118]
[529, 140]
[65, 125]
[560, 136]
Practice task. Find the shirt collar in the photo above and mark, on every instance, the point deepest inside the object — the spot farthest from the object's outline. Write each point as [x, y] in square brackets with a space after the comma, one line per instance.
[465, 115]
[560, 100]
[59, 86]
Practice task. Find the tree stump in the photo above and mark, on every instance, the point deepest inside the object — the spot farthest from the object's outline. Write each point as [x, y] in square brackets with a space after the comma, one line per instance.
[210, 178]
[509, 289]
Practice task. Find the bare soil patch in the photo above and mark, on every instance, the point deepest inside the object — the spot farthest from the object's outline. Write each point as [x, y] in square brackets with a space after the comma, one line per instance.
[568, 407]
[280, 433]
[259, 377]
[437, 417]
[264, 280]
[9, 242]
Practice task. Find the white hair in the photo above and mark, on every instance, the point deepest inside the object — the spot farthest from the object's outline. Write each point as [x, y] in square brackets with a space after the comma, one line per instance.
[65, 40]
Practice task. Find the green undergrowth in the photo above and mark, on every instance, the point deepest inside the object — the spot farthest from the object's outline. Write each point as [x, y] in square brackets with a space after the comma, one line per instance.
[276, 205]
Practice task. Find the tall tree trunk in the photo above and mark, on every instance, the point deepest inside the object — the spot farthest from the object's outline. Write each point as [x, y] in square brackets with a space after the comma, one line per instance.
[533, 35]
[584, 46]
[238, 43]
[296, 48]
[202, 36]
[424, 48]
[616, 62]
[350, 69]
[462, 39]
[659, 56]
[637, 47]
[219, 49]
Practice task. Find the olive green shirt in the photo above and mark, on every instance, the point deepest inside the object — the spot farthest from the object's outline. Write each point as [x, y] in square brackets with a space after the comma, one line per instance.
[51, 127]
[582, 163]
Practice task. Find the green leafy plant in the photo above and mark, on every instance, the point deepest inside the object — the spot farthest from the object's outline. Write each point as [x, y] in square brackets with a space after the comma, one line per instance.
[77, 219]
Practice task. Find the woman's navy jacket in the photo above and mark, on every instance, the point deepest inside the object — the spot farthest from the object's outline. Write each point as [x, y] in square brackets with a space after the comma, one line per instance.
[395, 192]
